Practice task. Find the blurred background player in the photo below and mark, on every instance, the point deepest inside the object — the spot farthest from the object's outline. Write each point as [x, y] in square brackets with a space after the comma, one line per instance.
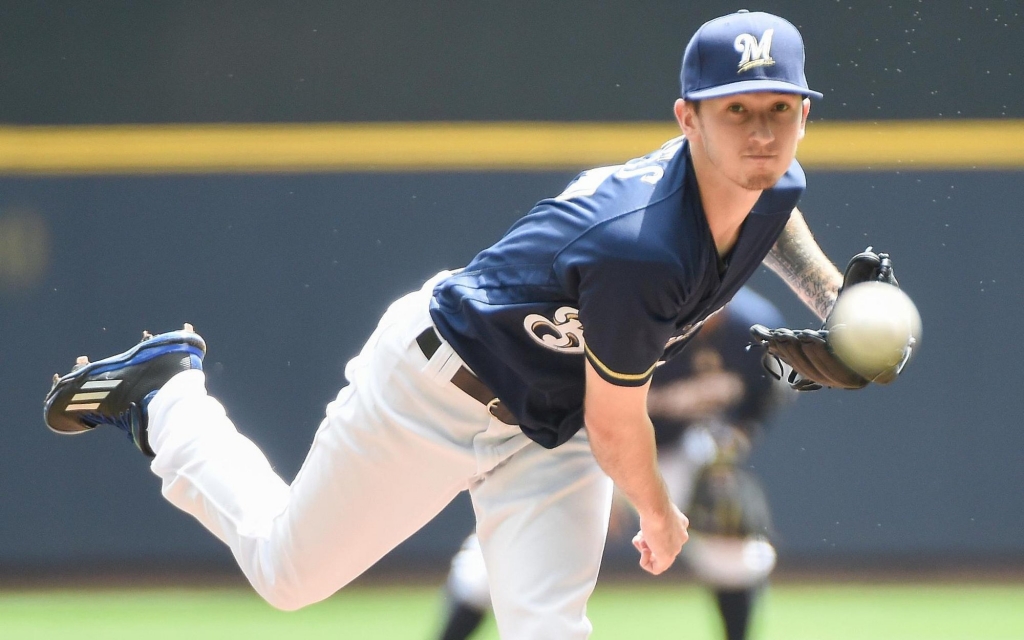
[707, 405]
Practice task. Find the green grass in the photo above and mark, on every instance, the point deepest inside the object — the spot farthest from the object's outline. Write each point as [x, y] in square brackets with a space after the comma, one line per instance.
[789, 612]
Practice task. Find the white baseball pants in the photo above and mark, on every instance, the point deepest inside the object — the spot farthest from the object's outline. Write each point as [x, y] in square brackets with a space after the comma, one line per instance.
[468, 582]
[397, 445]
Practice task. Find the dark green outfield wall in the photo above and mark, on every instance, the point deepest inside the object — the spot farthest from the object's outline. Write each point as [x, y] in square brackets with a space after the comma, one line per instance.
[266, 60]
[286, 275]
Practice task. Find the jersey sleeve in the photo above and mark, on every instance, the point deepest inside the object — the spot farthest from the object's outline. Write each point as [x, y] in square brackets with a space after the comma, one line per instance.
[628, 312]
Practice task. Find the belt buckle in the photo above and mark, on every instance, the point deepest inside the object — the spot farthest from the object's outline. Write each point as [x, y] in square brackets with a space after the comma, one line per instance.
[500, 411]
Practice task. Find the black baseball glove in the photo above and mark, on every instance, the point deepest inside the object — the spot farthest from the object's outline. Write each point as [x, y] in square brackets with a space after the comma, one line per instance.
[806, 351]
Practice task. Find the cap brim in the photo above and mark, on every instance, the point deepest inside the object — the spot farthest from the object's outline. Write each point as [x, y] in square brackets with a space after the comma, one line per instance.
[750, 86]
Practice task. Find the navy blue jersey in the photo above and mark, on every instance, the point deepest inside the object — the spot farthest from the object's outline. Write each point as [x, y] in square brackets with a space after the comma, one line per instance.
[625, 253]
[721, 347]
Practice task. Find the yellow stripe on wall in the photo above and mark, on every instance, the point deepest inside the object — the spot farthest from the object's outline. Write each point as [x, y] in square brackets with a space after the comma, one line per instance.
[922, 145]
[455, 146]
[464, 146]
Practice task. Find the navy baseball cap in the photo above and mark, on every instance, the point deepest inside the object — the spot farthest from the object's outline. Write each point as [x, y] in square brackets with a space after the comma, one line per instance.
[744, 52]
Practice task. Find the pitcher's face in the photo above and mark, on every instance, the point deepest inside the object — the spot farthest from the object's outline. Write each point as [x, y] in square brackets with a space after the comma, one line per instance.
[749, 138]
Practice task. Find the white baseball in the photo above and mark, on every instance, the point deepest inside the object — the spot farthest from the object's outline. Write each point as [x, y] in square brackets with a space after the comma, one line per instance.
[873, 328]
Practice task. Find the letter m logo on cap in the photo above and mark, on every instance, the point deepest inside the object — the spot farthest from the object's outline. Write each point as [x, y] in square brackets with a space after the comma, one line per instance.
[755, 54]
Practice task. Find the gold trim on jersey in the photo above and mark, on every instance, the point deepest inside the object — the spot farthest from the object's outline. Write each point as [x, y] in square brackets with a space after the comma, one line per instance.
[629, 377]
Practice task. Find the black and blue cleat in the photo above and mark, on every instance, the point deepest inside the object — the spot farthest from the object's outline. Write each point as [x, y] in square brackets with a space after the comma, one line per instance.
[116, 390]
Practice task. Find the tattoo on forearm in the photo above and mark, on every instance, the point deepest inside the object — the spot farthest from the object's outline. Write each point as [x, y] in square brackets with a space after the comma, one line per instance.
[798, 260]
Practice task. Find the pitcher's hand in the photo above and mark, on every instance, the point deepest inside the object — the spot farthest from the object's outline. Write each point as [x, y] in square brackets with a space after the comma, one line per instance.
[660, 540]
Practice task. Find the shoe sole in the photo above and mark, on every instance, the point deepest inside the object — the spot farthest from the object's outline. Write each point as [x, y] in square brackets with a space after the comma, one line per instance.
[144, 351]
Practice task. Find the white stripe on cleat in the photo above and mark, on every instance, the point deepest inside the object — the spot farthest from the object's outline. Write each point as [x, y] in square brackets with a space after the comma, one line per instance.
[83, 407]
[101, 384]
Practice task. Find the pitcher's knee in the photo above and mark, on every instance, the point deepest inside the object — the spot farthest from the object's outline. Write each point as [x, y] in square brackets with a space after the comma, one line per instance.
[289, 589]
[286, 596]
[285, 588]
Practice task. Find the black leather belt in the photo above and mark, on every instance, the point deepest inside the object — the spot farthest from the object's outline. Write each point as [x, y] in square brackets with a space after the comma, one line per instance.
[464, 379]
